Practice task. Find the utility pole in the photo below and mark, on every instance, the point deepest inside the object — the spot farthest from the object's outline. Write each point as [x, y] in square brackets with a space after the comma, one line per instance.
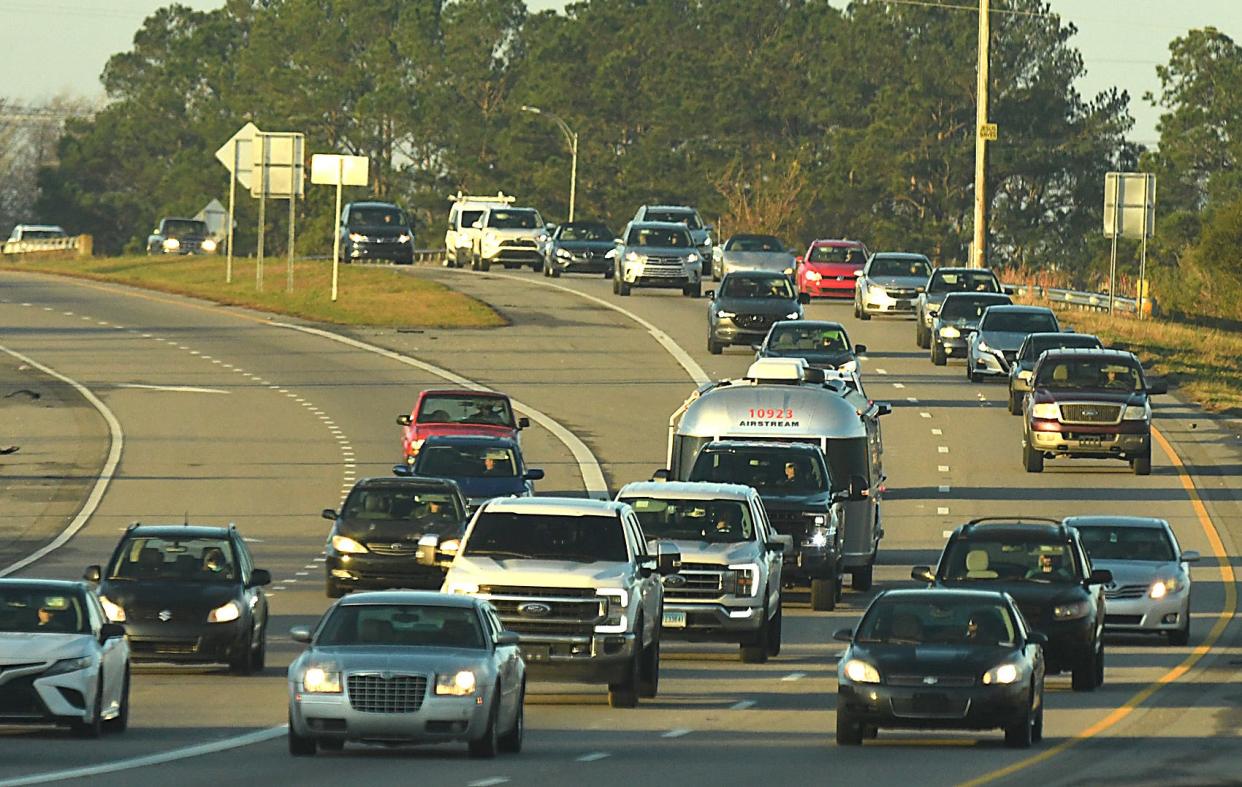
[571, 137]
[979, 246]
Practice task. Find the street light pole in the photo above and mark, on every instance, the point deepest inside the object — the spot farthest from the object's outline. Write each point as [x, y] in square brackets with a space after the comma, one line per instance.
[572, 138]
[979, 258]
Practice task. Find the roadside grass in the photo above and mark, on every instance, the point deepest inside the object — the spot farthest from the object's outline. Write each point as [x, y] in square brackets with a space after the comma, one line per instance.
[367, 295]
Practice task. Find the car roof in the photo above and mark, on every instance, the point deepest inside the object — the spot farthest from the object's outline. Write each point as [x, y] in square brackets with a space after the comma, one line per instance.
[960, 594]
[554, 506]
[837, 242]
[659, 225]
[372, 204]
[464, 392]
[688, 490]
[1089, 352]
[1017, 308]
[989, 528]
[182, 531]
[48, 227]
[905, 255]
[404, 482]
[756, 275]
[996, 296]
[960, 269]
[427, 598]
[1114, 521]
[819, 324]
[1058, 335]
[470, 439]
[64, 585]
[685, 208]
[182, 218]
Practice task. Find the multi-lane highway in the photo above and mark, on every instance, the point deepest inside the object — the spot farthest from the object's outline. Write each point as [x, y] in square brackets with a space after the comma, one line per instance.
[227, 415]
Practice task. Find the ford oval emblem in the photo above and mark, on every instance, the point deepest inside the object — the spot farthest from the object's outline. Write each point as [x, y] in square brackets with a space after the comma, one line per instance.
[674, 581]
[1090, 412]
[931, 680]
[534, 609]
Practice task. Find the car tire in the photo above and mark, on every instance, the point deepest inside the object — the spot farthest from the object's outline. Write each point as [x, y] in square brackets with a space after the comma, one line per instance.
[623, 289]
[849, 731]
[714, 347]
[861, 311]
[1181, 637]
[556, 272]
[607, 274]
[692, 290]
[861, 578]
[333, 590]
[93, 728]
[241, 664]
[1032, 460]
[970, 372]
[301, 746]
[756, 651]
[258, 656]
[1142, 464]
[511, 741]
[1018, 735]
[1099, 667]
[1037, 726]
[649, 671]
[486, 745]
[938, 357]
[1084, 675]
[1015, 403]
[774, 635]
[824, 594]
[922, 337]
[485, 265]
[121, 721]
[624, 694]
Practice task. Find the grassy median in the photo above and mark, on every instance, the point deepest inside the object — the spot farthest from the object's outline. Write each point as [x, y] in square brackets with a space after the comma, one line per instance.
[367, 295]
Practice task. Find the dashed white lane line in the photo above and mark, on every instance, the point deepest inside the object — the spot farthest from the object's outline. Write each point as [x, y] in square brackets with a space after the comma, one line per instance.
[793, 676]
[743, 705]
[912, 399]
[899, 385]
[881, 371]
[944, 489]
[937, 431]
[944, 449]
[302, 574]
[943, 468]
[489, 782]
[925, 414]
[678, 733]
[321, 560]
[173, 388]
[942, 510]
[594, 756]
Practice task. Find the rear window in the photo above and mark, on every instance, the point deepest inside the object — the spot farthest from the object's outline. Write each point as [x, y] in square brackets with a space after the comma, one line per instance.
[963, 281]
[1018, 322]
[969, 308]
[900, 266]
[513, 536]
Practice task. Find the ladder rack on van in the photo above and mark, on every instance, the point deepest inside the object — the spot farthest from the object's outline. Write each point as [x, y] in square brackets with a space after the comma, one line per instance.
[499, 198]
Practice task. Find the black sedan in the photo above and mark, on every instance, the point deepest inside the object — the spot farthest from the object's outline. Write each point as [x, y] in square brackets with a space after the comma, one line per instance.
[822, 344]
[746, 306]
[374, 539]
[579, 247]
[941, 659]
[187, 594]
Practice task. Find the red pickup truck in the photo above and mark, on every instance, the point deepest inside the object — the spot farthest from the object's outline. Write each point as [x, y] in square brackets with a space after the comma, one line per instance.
[457, 412]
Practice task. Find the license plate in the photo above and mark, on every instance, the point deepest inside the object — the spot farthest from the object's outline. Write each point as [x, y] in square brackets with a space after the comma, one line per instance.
[536, 652]
[674, 620]
[905, 304]
[930, 703]
[1091, 438]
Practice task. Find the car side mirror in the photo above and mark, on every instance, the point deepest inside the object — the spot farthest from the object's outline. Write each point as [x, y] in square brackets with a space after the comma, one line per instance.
[857, 273]
[523, 423]
[804, 298]
[403, 470]
[618, 241]
[328, 513]
[110, 631]
[508, 638]
[259, 577]
[478, 225]
[1190, 556]
[668, 558]
[1037, 638]
[1158, 386]
[920, 290]
[709, 294]
[1100, 576]
[858, 488]
[661, 475]
[403, 420]
[533, 474]
[883, 408]
[428, 545]
[92, 574]
[300, 634]
[843, 635]
[922, 574]
[860, 349]
[781, 542]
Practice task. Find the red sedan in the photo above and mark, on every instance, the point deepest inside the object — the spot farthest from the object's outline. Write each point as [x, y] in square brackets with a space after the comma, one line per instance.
[829, 268]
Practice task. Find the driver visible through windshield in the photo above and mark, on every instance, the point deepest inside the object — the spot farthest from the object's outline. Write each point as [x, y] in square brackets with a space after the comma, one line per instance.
[766, 287]
[774, 472]
[1018, 560]
[713, 521]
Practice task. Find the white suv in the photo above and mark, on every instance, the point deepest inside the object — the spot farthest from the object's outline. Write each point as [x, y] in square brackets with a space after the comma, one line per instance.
[460, 238]
[509, 236]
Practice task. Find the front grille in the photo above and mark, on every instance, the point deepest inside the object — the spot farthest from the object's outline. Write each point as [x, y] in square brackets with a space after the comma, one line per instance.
[754, 322]
[562, 611]
[941, 681]
[1126, 591]
[702, 581]
[900, 293]
[506, 590]
[1122, 620]
[1088, 413]
[395, 548]
[525, 244]
[790, 523]
[19, 698]
[163, 647]
[930, 706]
[371, 693]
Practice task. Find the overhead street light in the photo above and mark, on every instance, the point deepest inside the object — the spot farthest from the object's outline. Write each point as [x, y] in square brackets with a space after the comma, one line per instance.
[572, 138]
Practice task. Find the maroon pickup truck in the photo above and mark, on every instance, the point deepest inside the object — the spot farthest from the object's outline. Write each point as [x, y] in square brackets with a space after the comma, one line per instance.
[457, 412]
[1089, 403]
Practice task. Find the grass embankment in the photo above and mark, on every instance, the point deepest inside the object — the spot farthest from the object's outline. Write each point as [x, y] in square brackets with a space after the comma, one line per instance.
[1202, 364]
[367, 295]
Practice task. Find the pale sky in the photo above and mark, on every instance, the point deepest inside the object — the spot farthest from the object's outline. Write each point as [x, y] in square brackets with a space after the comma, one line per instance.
[60, 46]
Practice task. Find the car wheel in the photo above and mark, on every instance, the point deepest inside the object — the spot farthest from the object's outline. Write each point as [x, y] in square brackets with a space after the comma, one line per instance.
[649, 671]
[556, 272]
[860, 579]
[607, 274]
[623, 288]
[537, 267]
[1181, 636]
[849, 731]
[93, 727]
[774, 635]
[824, 594]
[241, 663]
[1142, 464]
[511, 741]
[862, 312]
[333, 590]
[1015, 403]
[1099, 667]
[714, 347]
[938, 357]
[300, 746]
[485, 265]
[921, 335]
[119, 722]
[1032, 460]
[970, 371]
[1018, 734]
[258, 656]
[757, 651]
[485, 745]
[1083, 677]
[1037, 727]
[547, 271]
[624, 694]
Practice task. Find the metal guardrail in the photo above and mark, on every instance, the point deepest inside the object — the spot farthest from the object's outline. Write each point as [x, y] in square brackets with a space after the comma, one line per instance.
[43, 244]
[1094, 301]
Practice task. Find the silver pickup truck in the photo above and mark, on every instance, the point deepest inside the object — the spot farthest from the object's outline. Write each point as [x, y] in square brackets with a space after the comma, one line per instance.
[576, 580]
[729, 586]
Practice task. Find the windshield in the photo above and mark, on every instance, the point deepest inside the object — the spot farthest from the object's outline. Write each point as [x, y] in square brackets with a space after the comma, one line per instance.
[401, 624]
[465, 409]
[765, 287]
[175, 228]
[466, 461]
[754, 243]
[514, 220]
[172, 559]
[387, 504]
[963, 281]
[33, 610]
[1038, 345]
[376, 217]
[969, 307]
[584, 539]
[1090, 374]
[900, 266]
[659, 236]
[586, 232]
[943, 621]
[714, 521]
[850, 254]
[1021, 560]
[42, 234]
[686, 217]
[769, 470]
[803, 340]
[1018, 322]
[1104, 542]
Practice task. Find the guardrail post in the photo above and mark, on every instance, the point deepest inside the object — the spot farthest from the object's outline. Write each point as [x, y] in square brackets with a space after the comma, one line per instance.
[86, 245]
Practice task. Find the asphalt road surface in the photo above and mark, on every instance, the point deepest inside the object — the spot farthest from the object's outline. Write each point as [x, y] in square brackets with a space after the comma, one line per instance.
[229, 416]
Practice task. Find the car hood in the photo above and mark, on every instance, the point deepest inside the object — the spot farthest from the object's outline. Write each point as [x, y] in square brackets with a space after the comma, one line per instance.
[585, 245]
[757, 305]
[398, 530]
[833, 268]
[762, 260]
[536, 573]
[1044, 394]
[512, 234]
[805, 500]
[168, 595]
[395, 658]
[1008, 341]
[21, 648]
[695, 551]
[1134, 572]
[930, 659]
[906, 282]
[423, 431]
[474, 487]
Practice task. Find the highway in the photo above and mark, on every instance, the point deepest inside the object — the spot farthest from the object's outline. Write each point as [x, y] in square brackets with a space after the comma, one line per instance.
[231, 416]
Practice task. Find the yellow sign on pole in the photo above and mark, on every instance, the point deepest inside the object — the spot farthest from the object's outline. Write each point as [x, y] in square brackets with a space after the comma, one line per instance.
[987, 131]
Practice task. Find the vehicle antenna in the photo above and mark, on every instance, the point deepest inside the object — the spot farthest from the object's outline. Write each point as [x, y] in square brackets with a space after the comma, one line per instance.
[186, 522]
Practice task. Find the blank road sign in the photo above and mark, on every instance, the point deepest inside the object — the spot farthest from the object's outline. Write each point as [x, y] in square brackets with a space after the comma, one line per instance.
[278, 164]
[353, 170]
[1135, 193]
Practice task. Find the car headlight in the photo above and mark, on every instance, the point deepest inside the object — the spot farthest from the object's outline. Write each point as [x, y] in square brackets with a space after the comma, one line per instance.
[1136, 412]
[708, 242]
[225, 613]
[347, 546]
[611, 254]
[789, 271]
[725, 314]
[357, 236]
[983, 347]
[462, 588]
[1078, 609]
[1026, 374]
[317, 680]
[403, 238]
[451, 546]
[949, 332]
[746, 579]
[1046, 410]
[1001, 675]
[415, 446]
[792, 316]
[819, 538]
[849, 366]
[114, 611]
[564, 254]
[456, 684]
[633, 256]
[617, 601]
[69, 665]
[860, 671]
[813, 276]
[171, 244]
[209, 245]
[1163, 587]
[692, 258]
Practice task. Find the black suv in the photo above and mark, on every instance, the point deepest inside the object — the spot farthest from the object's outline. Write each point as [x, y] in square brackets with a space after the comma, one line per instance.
[746, 306]
[376, 231]
[374, 541]
[187, 594]
[1042, 564]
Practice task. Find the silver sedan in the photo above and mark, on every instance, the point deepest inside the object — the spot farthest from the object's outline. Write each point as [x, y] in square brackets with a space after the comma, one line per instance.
[751, 253]
[407, 667]
[1150, 591]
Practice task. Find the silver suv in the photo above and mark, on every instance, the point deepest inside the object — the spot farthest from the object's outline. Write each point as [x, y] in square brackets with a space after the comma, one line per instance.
[681, 214]
[576, 580]
[729, 586]
[657, 254]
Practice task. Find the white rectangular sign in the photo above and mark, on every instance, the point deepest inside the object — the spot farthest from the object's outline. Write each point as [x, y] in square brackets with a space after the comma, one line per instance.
[1135, 193]
[353, 170]
[279, 164]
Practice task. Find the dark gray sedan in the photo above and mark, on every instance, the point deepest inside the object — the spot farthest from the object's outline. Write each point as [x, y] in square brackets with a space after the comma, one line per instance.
[407, 667]
[746, 307]
[579, 247]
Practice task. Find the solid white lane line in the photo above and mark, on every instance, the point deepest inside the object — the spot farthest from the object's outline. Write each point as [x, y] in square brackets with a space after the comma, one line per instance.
[743, 705]
[676, 733]
[116, 437]
[173, 388]
[594, 756]
[489, 782]
[794, 676]
[937, 431]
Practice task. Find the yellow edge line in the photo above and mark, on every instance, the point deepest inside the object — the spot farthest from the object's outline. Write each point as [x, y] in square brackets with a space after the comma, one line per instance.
[1218, 628]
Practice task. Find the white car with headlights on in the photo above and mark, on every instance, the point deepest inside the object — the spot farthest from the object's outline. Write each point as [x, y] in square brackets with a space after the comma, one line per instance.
[1150, 591]
[61, 661]
[402, 667]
